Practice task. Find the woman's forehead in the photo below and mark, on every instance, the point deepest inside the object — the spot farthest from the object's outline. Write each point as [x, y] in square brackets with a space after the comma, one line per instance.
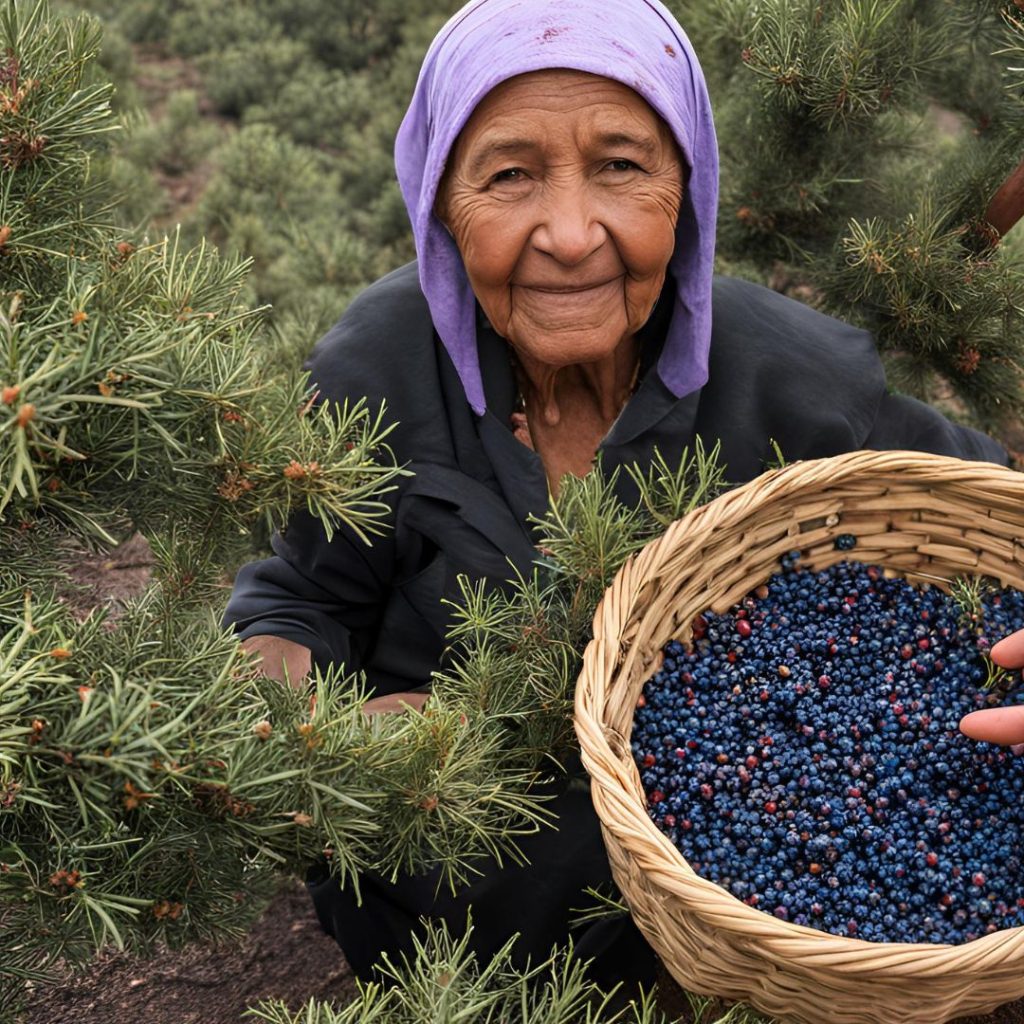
[527, 103]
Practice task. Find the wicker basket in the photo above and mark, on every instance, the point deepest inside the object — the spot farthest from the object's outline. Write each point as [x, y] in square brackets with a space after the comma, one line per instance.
[923, 516]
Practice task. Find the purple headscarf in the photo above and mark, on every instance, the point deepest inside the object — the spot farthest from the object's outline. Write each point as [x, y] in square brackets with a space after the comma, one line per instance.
[635, 42]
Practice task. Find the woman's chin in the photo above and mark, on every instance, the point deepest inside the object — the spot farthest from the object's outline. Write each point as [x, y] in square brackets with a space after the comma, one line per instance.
[559, 348]
[567, 339]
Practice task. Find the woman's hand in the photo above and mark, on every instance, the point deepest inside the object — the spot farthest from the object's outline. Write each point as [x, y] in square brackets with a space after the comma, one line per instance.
[1000, 725]
[285, 660]
[280, 659]
[395, 702]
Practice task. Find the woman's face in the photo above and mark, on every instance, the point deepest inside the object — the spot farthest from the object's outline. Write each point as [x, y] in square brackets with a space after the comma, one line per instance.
[562, 194]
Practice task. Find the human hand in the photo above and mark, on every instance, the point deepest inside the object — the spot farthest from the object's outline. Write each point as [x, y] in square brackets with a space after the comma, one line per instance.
[395, 702]
[1004, 726]
[285, 660]
[280, 659]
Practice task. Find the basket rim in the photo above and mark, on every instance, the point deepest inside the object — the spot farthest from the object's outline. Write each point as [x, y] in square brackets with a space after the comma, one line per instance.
[944, 473]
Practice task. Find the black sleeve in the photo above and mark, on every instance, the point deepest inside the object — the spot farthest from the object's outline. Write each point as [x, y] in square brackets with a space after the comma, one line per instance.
[324, 595]
[903, 422]
[330, 596]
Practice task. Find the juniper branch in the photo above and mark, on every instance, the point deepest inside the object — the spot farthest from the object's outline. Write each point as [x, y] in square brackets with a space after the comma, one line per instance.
[443, 980]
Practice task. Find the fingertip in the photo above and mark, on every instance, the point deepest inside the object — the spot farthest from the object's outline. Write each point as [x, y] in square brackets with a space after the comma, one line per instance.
[970, 724]
[1002, 726]
[1009, 652]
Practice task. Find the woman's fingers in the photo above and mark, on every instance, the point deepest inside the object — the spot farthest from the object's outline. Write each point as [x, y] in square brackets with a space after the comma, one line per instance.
[1009, 652]
[1004, 726]
[283, 660]
[395, 703]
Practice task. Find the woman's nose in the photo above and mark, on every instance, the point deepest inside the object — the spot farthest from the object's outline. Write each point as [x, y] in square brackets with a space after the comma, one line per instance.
[570, 230]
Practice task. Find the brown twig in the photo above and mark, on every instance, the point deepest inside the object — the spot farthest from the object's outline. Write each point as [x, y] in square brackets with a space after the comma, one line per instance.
[1007, 206]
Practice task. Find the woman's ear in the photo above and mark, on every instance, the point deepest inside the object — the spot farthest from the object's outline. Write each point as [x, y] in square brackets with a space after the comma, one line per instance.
[443, 196]
[441, 202]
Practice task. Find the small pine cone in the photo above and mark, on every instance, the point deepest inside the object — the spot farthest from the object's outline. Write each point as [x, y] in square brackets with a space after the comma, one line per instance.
[65, 880]
[165, 908]
[967, 359]
[263, 729]
[296, 471]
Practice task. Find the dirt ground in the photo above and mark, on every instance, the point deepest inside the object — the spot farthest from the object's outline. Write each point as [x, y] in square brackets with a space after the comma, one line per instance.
[284, 956]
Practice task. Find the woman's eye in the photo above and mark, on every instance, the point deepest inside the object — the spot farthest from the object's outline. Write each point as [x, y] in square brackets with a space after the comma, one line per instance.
[622, 165]
[509, 174]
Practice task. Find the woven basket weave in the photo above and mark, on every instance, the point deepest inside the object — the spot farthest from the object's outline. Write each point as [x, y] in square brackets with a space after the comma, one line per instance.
[923, 516]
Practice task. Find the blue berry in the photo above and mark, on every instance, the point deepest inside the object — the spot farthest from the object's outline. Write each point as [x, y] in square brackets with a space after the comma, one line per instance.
[804, 754]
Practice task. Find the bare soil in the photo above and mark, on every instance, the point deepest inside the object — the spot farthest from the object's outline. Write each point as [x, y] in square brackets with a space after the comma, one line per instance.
[284, 956]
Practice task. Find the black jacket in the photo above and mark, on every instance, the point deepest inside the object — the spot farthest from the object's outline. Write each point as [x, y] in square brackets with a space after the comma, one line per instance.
[778, 371]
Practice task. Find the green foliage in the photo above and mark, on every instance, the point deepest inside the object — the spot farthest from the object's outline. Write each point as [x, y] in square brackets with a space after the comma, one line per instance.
[180, 141]
[252, 72]
[518, 651]
[303, 183]
[669, 493]
[943, 304]
[443, 981]
[147, 773]
[47, 112]
[968, 594]
[835, 160]
[136, 800]
[810, 99]
[177, 406]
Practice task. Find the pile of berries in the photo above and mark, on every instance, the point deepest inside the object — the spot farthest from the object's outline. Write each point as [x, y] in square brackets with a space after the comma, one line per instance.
[805, 755]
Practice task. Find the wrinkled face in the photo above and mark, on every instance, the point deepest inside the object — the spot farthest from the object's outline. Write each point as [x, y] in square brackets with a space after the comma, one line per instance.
[562, 194]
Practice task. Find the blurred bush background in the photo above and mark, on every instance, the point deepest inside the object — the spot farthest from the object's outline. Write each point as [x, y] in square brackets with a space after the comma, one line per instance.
[861, 143]
[268, 128]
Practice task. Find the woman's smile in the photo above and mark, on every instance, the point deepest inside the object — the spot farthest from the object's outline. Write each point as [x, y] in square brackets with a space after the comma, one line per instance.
[569, 289]
[559, 309]
[562, 194]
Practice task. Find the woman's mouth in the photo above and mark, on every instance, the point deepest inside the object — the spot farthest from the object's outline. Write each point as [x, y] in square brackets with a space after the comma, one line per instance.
[570, 288]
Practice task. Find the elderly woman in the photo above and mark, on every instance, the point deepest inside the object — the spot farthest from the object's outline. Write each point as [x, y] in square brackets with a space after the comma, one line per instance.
[558, 162]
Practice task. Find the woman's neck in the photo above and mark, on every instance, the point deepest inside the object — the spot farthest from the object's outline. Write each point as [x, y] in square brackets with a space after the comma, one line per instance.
[603, 385]
[569, 409]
